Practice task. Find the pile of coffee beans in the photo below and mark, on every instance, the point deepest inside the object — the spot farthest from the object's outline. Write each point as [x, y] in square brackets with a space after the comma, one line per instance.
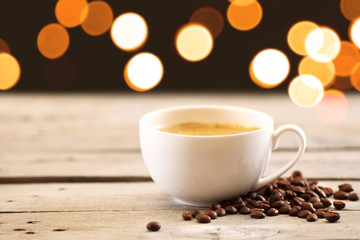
[294, 196]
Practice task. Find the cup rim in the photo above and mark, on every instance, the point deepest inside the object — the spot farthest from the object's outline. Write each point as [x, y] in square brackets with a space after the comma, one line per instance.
[204, 106]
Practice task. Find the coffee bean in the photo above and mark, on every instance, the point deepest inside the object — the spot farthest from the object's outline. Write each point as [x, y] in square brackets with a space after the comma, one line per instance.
[264, 206]
[220, 212]
[257, 209]
[272, 212]
[341, 195]
[244, 210]
[312, 193]
[186, 216]
[339, 205]
[239, 205]
[236, 200]
[296, 174]
[275, 197]
[203, 218]
[298, 181]
[326, 202]
[153, 226]
[353, 197]
[314, 199]
[346, 187]
[211, 213]
[319, 213]
[297, 201]
[269, 189]
[303, 213]
[285, 209]
[298, 189]
[305, 196]
[313, 182]
[319, 192]
[260, 197]
[252, 203]
[294, 211]
[225, 203]
[318, 205]
[257, 214]
[231, 210]
[307, 206]
[290, 194]
[214, 206]
[328, 191]
[311, 217]
[194, 212]
[332, 216]
[251, 195]
[278, 204]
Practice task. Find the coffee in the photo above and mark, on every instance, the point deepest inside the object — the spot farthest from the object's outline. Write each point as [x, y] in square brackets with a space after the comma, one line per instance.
[207, 128]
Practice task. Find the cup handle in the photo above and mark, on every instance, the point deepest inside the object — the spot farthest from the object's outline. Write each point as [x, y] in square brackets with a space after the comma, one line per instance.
[275, 140]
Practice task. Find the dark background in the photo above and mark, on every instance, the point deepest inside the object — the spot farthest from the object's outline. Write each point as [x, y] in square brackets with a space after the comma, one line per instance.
[99, 63]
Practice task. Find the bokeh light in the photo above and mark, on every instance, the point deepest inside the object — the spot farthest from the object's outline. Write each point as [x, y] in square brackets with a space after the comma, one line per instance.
[61, 72]
[297, 35]
[143, 72]
[9, 71]
[99, 18]
[322, 44]
[53, 41]
[347, 58]
[129, 31]
[306, 91]
[333, 107]
[4, 47]
[342, 83]
[211, 18]
[71, 13]
[355, 32]
[244, 15]
[350, 9]
[269, 68]
[194, 42]
[324, 71]
[355, 77]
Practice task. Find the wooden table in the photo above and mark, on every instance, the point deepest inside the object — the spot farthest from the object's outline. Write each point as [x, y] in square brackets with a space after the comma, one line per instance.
[71, 168]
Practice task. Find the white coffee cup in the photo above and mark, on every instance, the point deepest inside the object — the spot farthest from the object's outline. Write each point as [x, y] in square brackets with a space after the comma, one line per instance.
[199, 170]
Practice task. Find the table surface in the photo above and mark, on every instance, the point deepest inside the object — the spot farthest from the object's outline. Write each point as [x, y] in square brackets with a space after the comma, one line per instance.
[71, 168]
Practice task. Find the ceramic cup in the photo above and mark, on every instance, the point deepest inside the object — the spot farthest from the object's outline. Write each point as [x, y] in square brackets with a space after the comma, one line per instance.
[199, 170]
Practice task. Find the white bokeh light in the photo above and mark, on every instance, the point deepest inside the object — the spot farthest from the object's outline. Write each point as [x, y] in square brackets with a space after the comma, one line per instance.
[355, 32]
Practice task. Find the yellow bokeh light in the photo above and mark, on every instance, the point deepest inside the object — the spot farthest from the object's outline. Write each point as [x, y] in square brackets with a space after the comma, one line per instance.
[355, 77]
[333, 107]
[143, 72]
[129, 31]
[71, 13]
[355, 32]
[194, 42]
[350, 9]
[53, 40]
[99, 18]
[9, 71]
[322, 44]
[306, 91]
[211, 18]
[244, 15]
[347, 58]
[269, 68]
[297, 35]
[4, 47]
[324, 71]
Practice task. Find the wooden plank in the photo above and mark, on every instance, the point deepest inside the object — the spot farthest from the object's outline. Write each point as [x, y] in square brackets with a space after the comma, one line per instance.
[113, 166]
[113, 211]
[91, 122]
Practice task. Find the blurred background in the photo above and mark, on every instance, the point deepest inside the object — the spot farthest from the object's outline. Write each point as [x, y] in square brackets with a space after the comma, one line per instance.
[95, 62]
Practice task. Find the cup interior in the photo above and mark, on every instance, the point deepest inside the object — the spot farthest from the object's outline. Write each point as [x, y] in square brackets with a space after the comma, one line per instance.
[206, 113]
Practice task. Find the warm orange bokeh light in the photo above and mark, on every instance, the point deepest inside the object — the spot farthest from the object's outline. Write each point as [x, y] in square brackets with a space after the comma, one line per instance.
[71, 13]
[269, 68]
[333, 107]
[306, 91]
[324, 71]
[354, 32]
[194, 42]
[297, 35]
[211, 18]
[61, 72]
[355, 77]
[9, 71]
[244, 15]
[53, 41]
[342, 83]
[99, 18]
[348, 57]
[322, 44]
[350, 9]
[4, 47]
[129, 31]
[143, 72]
